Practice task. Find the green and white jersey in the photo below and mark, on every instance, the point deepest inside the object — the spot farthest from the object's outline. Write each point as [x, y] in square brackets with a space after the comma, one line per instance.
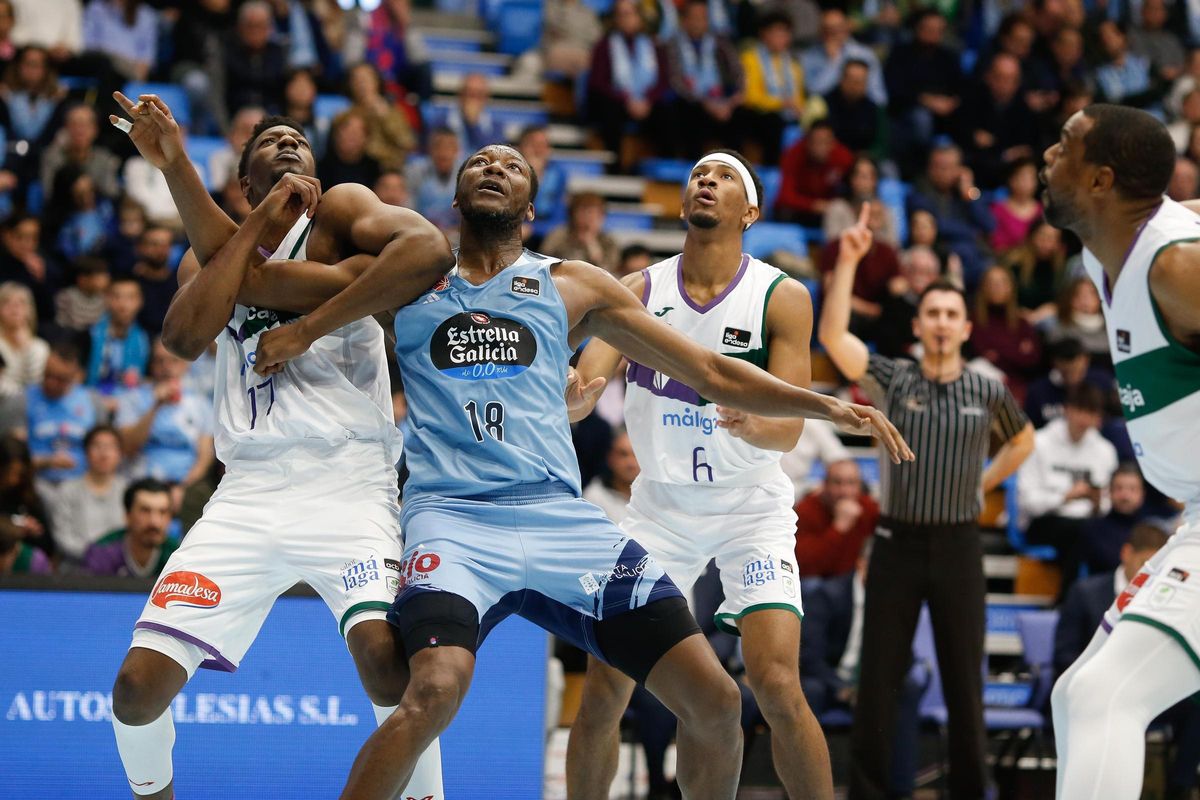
[335, 392]
[673, 429]
[1157, 377]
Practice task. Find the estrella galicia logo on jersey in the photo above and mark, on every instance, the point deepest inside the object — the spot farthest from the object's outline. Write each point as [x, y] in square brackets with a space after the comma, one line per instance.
[735, 337]
[474, 346]
[1124, 341]
[261, 319]
[529, 286]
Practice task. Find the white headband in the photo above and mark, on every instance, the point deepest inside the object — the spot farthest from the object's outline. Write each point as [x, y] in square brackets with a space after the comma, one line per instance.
[736, 166]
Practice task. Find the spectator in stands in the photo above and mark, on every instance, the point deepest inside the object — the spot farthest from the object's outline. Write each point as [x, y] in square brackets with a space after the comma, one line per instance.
[948, 192]
[32, 97]
[21, 351]
[919, 267]
[80, 306]
[1079, 317]
[1017, 213]
[470, 117]
[998, 128]
[705, 74]
[299, 103]
[1189, 118]
[56, 25]
[87, 507]
[122, 248]
[861, 185]
[397, 50]
[534, 144]
[141, 548]
[222, 164]
[583, 236]
[1014, 37]
[1070, 368]
[21, 261]
[833, 523]
[126, 31]
[856, 119]
[924, 82]
[1155, 40]
[25, 540]
[392, 188]
[1124, 77]
[59, 413]
[610, 490]
[1063, 483]
[198, 40]
[1186, 82]
[167, 430]
[255, 64]
[627, 80]
[120, 347]
[633, 258]
[390, 137]
[1039, 266]
[875, 271]
[812, 169]
[923, 232]
[820, 443]
[299, 28]
[1103, 537]
[431, 180]
[346, 159]
[233, 202]
[147, 186]
[831, 641]
[80, 219]
[1000, 335]
[823, 61]
[774, 89]
[1185, 180]
[1053, 74]
[8, 49]
[76, 144]
[155, 275]
[570, 29]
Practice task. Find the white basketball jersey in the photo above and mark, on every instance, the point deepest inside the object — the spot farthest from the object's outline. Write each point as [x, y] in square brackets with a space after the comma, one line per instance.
[673, 429]
[338, 390]
[1157, 377]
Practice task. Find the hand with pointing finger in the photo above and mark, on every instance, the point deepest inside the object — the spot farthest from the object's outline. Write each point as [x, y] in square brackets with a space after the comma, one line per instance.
[580, 397]
[856, 240]
[152, 130]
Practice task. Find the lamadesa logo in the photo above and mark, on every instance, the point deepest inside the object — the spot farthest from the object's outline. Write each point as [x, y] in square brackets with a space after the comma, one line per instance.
[475, 346]
[202, 708]
[1131, 398]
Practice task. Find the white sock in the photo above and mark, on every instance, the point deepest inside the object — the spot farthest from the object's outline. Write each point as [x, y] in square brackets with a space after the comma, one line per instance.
[146, 752]
[426, 780]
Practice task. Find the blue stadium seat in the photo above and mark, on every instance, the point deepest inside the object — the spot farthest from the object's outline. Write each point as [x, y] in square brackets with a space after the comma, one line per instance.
[668, 170]
[894, 192]
[447, 42]
[519, 117]
[765, 238]
[447, 64]
[328, 106]
[628, 221]
[1016, 536]
[771, 181]
[601, 7]
[456, 6]
[791, 134]
[584, 167]
[200, 150]
[172, 94]
[520, 26]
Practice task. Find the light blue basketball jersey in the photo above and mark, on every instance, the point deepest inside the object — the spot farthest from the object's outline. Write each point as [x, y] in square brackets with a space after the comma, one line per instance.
[485, 370]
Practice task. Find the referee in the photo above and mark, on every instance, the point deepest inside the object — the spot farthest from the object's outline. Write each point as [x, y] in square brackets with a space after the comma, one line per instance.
[927, 547]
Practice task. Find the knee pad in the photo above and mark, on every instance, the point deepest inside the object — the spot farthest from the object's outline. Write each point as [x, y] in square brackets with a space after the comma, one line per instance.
[634, 641]
[435, 619]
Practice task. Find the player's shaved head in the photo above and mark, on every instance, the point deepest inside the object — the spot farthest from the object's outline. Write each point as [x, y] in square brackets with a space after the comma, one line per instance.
[1135, 145]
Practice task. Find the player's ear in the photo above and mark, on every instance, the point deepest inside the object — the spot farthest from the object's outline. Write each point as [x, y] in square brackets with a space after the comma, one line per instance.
[751, 216]
[530, 214]
[244, 183]
[454, 202]
[1103, 179]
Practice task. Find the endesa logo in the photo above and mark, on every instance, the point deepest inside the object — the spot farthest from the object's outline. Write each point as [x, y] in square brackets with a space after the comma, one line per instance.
[186, 589]
[475, 346]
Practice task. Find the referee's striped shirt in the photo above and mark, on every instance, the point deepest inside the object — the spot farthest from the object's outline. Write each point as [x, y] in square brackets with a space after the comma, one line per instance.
[948, 426]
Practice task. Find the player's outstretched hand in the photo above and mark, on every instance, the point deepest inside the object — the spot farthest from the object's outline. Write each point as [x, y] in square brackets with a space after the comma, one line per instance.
[856, 240]
[580, 397]
[864, 420]
[151, 128]
[280, 345]
[290, 195]
[734, 421]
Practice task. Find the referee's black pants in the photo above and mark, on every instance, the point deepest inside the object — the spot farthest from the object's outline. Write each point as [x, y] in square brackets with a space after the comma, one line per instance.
[911, 565]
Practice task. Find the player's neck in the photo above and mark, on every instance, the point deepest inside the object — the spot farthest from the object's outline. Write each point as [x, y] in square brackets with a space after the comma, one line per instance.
[1115, 233]
[711, 258]
[481, 253]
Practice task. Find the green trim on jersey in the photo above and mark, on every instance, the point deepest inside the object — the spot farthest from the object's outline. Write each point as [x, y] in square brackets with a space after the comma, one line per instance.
[1168, 630]
[1153, 380]
[300, 241]
[366, 605]
[759, 355]
[766, 303]
[725, 621]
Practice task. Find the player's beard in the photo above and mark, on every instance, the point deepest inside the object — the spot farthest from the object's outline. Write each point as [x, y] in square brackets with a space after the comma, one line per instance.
[1059, 211]
[704, 219]
[489, 223]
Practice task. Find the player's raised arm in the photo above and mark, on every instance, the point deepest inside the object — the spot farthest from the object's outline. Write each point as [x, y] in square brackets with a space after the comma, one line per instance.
[847, 350]
[597, 364]
[614, 314]
[158, 138]
[411, 255]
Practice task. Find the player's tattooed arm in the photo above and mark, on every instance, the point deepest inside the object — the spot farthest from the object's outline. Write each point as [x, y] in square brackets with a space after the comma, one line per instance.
[410, 255]
[603, 307]
[598, 363]
[1175, 284]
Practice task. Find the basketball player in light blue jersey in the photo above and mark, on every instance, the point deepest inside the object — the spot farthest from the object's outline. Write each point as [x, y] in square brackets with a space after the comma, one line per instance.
[493, 518]
[711, 486]
[309, 492]
[1105, 180]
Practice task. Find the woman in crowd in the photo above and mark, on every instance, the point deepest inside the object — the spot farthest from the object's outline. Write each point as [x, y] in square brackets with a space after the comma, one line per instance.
[23, 353]
[347, 160]
[1017, 212]
[390, 136]
[1000, 335]
[862, 185]
[90, 506]
[1039, 267]
[32, 97]
[923, 232]
[1079, 316]
[583, 236]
